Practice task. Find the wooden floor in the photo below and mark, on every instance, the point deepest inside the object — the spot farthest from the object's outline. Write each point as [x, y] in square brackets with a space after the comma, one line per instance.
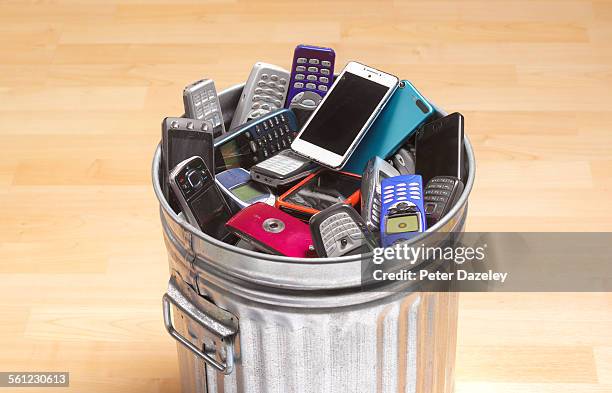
[85, 84]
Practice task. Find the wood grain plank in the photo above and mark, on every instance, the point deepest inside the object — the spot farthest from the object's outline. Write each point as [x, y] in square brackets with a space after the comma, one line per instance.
[84, 85]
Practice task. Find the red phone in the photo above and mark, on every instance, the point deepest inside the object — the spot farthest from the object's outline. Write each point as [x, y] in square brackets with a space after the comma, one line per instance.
[319, 191]
[271, 230]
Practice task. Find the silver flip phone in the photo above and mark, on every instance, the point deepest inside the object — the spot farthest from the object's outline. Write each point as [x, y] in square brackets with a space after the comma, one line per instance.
[376, 170]
[339, 230]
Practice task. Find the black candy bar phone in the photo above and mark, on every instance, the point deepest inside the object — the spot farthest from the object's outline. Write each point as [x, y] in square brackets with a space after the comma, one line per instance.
[181, 139]
[440, 150]
[339, 230]
[201, 103]
[255, 141]
[440, 195]
[283, 168]
[200, 199]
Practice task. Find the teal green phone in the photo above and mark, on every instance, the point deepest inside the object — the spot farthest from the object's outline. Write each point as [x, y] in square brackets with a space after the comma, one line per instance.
[406, 110]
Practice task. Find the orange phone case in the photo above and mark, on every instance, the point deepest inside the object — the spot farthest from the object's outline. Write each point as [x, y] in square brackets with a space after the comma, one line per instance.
[304, 213]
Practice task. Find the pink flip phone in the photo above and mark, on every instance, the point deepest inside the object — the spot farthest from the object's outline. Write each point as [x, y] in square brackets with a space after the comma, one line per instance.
[272, 230]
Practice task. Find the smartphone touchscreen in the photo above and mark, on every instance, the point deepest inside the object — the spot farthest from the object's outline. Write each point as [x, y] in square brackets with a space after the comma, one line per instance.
[344, 113]
[324, 190]
[440, 150]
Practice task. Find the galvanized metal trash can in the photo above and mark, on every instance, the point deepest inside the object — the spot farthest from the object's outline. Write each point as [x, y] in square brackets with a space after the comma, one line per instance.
[251, 322]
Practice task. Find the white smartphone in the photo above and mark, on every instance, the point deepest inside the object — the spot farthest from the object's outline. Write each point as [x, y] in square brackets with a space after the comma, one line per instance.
[341, 120]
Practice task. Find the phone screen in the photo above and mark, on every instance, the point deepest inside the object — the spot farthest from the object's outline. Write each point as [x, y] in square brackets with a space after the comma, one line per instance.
[344, 112]
[185, 144]
[234, 153]
[439, 148]
[402, 224]
[246, 192]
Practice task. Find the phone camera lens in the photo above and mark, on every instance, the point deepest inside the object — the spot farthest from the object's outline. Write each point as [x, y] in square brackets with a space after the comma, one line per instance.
[273, 225]
[422, 106]
[369, 75]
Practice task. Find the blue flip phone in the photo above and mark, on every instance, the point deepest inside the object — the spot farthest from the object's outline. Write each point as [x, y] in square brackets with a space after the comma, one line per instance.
[402, 215]
[401, 116]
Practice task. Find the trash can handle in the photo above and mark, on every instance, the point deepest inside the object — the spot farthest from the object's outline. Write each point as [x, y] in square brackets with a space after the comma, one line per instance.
[221, 324]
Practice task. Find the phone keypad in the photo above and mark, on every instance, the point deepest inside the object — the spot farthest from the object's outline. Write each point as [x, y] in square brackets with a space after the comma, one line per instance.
[205, 106]
[311, 78]
[437, 196]
[401, 192]
[269, 95]
[315, 70]
[268, 137]
[439, 189]
[281, 164]
[375, 216]
[341, 234]
[403, 213]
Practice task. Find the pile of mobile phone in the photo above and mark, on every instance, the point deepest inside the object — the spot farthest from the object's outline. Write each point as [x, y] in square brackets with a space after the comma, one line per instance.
[312, 164]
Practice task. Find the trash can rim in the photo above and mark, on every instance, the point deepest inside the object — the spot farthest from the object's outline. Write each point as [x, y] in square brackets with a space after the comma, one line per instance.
[279, 258]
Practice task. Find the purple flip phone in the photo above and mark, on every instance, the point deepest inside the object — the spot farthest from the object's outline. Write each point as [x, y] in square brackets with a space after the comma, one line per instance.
[312, 74]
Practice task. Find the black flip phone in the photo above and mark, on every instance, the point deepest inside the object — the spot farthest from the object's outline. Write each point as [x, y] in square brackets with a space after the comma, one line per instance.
[440, 195]
[201, 201]
[181, 139]
[440, 150]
